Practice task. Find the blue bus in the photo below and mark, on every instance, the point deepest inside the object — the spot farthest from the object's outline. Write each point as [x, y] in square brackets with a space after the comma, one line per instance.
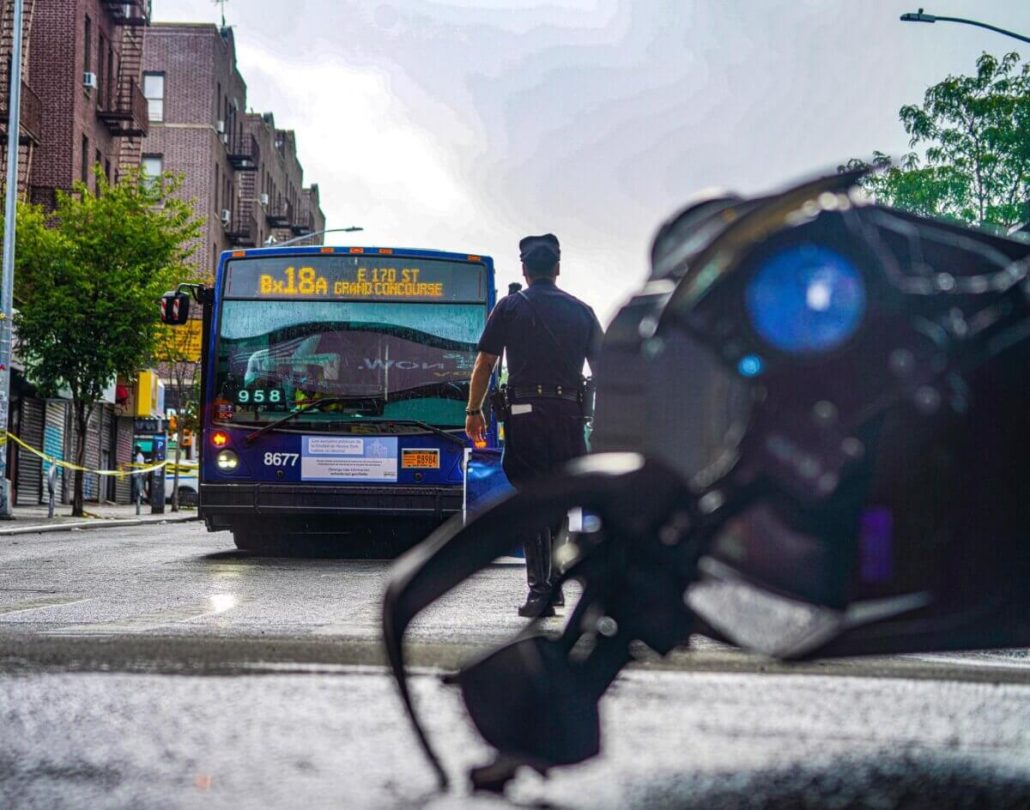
[334, 385]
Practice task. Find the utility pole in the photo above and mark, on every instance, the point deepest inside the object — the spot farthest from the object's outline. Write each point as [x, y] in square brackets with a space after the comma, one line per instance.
[7, 287]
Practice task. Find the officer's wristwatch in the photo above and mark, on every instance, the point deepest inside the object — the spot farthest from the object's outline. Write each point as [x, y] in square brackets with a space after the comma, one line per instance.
[473, 411]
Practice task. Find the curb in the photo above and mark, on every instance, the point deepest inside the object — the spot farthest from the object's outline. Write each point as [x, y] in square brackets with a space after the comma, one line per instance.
[96, 523]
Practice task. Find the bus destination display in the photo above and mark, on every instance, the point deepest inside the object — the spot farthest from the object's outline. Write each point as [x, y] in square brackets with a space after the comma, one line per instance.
[363, 278]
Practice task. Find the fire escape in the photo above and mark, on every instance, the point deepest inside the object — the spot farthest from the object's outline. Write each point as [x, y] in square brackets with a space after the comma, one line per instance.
[125, 108]
[30, 124]
[279, 214]
[304, 222]
[244, 155]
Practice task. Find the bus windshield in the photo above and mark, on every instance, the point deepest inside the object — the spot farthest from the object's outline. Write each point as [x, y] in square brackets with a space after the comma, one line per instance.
[392, 359]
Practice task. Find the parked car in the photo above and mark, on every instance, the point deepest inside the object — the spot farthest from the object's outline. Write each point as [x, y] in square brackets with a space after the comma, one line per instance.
[189, 486]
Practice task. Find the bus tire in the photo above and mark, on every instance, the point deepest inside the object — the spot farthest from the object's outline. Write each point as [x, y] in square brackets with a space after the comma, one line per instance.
[250, 540]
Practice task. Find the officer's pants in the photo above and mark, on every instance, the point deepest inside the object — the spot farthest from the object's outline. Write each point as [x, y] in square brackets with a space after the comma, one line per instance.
[538, 441]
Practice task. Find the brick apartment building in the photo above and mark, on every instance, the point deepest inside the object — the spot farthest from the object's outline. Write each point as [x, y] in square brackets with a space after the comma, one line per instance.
[242, 173]
[103, 86]
[82, 106]
[282, 208]
[84, 61]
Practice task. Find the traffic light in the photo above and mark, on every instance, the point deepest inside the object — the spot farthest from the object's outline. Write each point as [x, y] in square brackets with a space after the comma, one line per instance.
[187, 437]
[173, 424]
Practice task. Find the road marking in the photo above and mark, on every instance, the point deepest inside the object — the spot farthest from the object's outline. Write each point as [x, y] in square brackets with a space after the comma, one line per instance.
[41, 604]
[376, 670]
[975, 659]
[214, 605]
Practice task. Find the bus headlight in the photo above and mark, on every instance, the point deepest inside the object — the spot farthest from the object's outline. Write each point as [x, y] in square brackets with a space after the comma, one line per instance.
[227, 460]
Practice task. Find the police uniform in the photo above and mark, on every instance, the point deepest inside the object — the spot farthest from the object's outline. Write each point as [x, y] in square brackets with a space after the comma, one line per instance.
[545, 427]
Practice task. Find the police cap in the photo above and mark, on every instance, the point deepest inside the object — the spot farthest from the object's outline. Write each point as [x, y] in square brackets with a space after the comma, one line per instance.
[534, 246]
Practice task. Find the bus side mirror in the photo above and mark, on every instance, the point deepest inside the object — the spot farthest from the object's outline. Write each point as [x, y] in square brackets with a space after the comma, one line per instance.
[175, 308]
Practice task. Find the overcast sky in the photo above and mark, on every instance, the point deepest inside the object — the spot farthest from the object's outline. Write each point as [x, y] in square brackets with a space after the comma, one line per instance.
[465, 124]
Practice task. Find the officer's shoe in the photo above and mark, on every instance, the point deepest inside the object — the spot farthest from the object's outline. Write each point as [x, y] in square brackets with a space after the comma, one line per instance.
[536, 606]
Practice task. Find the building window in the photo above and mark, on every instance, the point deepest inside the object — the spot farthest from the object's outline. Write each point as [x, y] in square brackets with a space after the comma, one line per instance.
[102, 100]
[111, 101]
[151, 166]
[154, 90]
[84, 158]
[87, 62]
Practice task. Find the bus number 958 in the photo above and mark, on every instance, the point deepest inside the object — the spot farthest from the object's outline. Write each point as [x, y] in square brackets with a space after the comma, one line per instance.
[281, 459]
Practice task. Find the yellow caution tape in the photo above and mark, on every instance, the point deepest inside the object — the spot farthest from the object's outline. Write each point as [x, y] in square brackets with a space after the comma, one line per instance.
[69, 466]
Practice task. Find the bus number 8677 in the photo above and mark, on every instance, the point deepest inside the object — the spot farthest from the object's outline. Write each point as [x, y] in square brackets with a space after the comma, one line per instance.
[281, 459]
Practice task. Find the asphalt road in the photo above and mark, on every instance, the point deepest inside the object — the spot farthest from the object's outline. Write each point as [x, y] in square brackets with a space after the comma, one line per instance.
[153, 666]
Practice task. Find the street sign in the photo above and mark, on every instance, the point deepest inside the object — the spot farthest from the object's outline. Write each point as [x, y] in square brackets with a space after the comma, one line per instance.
[149, 424]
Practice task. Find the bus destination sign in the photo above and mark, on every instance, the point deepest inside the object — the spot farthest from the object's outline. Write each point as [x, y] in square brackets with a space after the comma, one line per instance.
[362, 278]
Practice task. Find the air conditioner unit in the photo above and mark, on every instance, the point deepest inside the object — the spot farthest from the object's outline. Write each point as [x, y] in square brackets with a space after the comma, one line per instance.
[226, 216]
[220, 126]
[225, 137]
[263, 199]
[89, 80]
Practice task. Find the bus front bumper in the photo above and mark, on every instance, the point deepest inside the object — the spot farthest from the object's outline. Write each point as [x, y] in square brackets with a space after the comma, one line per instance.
[220, 504]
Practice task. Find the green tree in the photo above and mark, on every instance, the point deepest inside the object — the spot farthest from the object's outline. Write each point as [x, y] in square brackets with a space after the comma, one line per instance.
[88, 279]
[975, 136]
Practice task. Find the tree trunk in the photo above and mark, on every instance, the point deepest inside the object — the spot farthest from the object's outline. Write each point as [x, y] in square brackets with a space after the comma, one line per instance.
[81, 421]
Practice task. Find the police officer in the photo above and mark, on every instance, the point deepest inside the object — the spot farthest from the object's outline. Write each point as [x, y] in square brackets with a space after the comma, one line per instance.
[138, 462]
[547, 334]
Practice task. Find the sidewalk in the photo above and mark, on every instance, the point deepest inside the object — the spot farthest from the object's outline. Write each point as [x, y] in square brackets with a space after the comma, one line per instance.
[33, 519]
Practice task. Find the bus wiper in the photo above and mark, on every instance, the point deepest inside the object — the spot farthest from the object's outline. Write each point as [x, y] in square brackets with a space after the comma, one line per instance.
[457, 389]
[385, 420]
[310, 406]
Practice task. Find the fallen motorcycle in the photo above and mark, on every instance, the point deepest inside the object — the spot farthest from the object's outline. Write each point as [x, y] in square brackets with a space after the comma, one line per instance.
[811, 440]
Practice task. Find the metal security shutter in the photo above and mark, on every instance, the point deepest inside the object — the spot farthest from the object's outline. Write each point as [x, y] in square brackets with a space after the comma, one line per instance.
[123, 456]
[30, 466]
[53, 444]
[108, 452]
[90, 485]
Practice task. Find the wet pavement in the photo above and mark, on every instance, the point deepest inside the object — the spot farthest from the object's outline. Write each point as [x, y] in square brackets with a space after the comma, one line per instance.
[336, 738]
[153, 665]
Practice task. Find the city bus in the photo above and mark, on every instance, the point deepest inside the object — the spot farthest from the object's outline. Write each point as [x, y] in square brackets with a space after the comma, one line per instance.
[334, 385]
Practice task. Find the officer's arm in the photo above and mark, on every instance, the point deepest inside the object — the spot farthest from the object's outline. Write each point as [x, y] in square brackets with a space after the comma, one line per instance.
[594, 341]
[475, 423]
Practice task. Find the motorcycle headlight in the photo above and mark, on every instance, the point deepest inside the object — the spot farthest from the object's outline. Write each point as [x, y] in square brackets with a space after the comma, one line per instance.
[805, 299]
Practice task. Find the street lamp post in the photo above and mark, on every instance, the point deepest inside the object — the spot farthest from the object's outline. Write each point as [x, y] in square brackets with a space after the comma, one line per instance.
[10, 215]
[295, 239]
[919, 16]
